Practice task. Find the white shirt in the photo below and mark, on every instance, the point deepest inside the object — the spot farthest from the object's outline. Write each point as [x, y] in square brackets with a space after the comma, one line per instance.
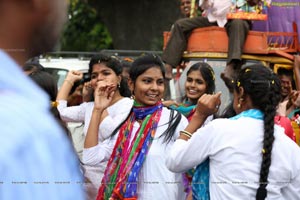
[155, 180]
[36, 158]
[216, 10]
[234, 148]
[83, 113]
[93, 171]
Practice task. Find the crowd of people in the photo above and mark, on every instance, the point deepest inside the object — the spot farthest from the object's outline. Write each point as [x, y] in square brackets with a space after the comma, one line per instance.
[136, 145]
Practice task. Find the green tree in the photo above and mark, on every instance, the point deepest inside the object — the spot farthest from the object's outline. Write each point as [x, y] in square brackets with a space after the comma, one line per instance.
[84, 31]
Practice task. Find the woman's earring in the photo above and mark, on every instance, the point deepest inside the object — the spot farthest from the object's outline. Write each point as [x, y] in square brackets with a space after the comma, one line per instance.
[240, 102]
[119, 85]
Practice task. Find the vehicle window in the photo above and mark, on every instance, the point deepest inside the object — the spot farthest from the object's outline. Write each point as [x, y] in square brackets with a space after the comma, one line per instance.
[58, 74]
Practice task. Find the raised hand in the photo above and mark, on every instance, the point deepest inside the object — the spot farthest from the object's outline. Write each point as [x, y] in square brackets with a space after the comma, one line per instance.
[208, 104]
[87, 91]
[103, 95]
[294, 99]
[74, 76]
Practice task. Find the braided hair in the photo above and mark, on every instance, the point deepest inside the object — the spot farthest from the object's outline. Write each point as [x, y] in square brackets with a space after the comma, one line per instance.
[263, 87]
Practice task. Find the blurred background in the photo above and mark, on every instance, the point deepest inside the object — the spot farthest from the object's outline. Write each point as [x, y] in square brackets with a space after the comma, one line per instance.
[113, 24]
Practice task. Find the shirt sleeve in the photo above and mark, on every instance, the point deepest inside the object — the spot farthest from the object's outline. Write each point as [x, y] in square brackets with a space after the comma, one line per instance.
[109, 124]
[292, 191]
[182, 155]
[72, 113]
[99, 153]
[116, 115]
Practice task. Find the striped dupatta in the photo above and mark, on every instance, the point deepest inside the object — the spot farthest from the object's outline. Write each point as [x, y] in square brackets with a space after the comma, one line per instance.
[121, 175]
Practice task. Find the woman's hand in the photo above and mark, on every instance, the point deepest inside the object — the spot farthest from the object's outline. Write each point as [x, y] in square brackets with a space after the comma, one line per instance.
[87, 91]
[74, 76]
[66, 87]
[294, 99]
[208, 104]
[103, 95]
[170, 103]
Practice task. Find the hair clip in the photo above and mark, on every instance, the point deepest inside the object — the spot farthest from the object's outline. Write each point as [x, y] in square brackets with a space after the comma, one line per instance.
[247, 70]
[128, 59]
[54, 104]
[273, 82]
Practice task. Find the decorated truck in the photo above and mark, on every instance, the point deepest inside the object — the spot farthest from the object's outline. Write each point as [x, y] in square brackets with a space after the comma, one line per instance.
[273, 41]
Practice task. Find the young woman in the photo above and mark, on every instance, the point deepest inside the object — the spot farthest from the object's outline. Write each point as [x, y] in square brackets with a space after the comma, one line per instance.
[200, 80]
[137, 150]
[250, 157]
[103, 70]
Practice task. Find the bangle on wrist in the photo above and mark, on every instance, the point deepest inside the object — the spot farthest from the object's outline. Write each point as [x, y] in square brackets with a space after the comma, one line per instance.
[186, 133]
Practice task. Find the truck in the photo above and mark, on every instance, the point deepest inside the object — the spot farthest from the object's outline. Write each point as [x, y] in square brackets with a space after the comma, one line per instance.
[274, 49]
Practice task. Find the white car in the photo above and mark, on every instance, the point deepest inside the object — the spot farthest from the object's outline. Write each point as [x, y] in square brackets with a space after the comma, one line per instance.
[59, 67]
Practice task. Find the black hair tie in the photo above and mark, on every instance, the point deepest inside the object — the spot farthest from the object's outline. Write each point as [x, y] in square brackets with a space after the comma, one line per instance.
[261, 193]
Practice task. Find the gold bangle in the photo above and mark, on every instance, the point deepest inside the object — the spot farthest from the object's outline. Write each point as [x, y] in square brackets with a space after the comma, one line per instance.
[70, 82]
[187, 133]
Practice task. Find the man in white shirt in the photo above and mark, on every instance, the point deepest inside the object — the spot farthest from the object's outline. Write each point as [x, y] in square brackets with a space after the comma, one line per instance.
[37, 160]
[215, 14]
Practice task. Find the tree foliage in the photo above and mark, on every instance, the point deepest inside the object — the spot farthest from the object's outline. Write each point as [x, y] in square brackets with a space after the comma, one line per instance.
[84, 31]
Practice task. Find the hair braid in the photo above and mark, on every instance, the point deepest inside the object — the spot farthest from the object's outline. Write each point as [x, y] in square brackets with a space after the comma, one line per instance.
[263, 87]
[269, 114]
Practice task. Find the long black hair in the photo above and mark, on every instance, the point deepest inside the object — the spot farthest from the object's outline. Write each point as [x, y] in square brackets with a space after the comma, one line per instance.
[48, 84]
[139, 66]
[263, 87]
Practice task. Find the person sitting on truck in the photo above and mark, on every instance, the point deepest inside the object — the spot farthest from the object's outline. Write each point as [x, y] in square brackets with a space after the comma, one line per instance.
[215, 14]
[187, 10]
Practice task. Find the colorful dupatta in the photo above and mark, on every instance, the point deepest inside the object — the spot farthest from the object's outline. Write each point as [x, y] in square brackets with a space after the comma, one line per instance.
[195, 180]
[186, 108]
[121, 175]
